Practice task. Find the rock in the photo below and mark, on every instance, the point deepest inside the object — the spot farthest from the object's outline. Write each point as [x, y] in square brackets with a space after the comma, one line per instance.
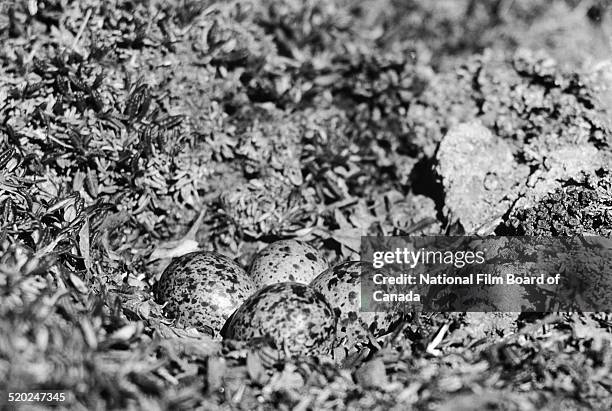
[480, 177]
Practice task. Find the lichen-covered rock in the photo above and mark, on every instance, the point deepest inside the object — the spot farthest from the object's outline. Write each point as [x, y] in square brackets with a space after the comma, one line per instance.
[287, 260]
[341, 286]
[202, 289]
[479, 174]
[294, 316]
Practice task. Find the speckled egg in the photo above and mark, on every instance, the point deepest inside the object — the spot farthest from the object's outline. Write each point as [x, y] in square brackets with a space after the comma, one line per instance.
[341, 286]
[202, 289]
[294, 316]
[287, 260]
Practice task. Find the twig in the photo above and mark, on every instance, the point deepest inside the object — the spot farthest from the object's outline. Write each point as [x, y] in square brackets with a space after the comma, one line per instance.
[431, 348]
[191, 234]
[81, 30]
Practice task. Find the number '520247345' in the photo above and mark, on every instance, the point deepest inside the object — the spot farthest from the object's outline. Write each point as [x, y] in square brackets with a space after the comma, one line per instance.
[37, 396]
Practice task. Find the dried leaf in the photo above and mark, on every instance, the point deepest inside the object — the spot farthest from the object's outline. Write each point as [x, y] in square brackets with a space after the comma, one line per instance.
[215, 371]
[84, 245]
[350, 238]
[255, 368]
[127, 332]
[78, 284]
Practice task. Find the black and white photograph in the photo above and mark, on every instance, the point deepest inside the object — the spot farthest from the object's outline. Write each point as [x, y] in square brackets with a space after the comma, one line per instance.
[306, 205]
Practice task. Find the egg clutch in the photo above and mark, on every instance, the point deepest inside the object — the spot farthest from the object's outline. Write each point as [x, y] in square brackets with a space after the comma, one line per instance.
[289, 295]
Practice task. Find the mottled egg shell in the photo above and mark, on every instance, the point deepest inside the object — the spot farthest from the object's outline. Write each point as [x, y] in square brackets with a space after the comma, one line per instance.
[292, 315]
[341, 286]
[287, 260]
[202, 289]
